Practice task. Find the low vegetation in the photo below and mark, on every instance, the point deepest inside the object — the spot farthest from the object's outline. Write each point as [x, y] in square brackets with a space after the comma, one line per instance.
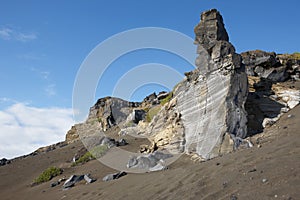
[166, 99]
[99, 151]
[48, 174]
[152, 112]
[94, 153]
[295, 56]
[83, 159]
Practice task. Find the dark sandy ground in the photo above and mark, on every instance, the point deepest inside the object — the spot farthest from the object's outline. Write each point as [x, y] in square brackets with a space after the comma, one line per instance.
[269, 170]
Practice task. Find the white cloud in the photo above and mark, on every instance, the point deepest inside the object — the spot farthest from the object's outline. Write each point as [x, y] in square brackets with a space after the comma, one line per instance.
[6, 33]
[24, 128]
[43, 74]
[50, 90]
[10, 34]
[7, 100]
[25, 37]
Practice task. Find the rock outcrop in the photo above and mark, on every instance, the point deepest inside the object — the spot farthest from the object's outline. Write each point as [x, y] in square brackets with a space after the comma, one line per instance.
[211, 101]
[269, 65]
[206, 115]
[111, 111]
[267, 102]
[107, 113]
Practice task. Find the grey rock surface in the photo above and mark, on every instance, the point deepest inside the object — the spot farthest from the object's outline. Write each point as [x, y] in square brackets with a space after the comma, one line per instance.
[4, 161]
[114, 176]
[110, 111]
[70, 182]
[151, 162]
[211, 101]
[269, 65]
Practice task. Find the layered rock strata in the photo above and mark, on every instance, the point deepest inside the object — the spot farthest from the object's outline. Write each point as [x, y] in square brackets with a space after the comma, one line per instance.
[211, 100]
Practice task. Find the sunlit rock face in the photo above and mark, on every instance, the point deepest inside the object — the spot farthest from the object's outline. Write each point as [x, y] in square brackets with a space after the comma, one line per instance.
[211, 99]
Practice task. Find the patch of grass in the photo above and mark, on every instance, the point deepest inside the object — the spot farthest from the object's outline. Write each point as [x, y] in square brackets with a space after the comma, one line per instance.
[48, 174]
[83, 159]
[152, 112]
[99, 151]
[129, 124]
[295, 56]
[167, 99]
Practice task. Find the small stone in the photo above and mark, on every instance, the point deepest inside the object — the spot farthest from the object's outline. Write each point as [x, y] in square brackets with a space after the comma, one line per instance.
[289, 116]
[264, 180]
[55, 183]
[88, 179]
[259, 146]
[233, 197]
[275, 196]
[117, 175]
[252, 170]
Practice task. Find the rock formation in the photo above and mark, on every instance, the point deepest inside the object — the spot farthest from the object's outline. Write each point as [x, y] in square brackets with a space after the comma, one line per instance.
[211, 101]
[205, 113]
[105, 114]
[267, 102]
[207, 109]
[269, 65]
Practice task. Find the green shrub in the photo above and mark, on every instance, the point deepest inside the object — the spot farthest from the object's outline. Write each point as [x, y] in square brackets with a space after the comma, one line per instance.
[99, 151]
[152, 112]
[48, 174]
[166, 99]
[83, 159]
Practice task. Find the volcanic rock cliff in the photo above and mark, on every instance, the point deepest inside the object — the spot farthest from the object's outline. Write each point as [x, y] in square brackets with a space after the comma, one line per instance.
[210, 101]
[205, 113]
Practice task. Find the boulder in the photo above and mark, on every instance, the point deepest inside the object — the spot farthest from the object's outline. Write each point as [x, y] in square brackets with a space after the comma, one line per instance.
[151, 162]
[4, 161]
[70, 182]
[114, 176]
[136, 115]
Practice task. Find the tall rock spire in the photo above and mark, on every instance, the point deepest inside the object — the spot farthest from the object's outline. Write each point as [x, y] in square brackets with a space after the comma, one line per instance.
[210, 29]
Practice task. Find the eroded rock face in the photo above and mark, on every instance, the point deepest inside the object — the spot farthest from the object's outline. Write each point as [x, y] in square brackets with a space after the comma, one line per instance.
[107, 113]
[206, 115]
[211, 100]
[111, 111]
[269, 65]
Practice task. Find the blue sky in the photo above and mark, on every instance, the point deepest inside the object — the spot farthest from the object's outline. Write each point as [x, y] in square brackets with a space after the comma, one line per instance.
[43, 44]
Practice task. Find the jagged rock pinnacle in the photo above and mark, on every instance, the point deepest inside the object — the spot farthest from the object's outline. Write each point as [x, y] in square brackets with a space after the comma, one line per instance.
[210, 29]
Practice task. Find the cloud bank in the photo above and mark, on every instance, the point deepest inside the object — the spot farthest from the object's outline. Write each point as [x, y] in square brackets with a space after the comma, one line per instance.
[24, 128]
[10, 34]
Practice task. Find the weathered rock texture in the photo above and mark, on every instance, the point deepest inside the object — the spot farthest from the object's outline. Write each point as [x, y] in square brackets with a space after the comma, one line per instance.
[111, 111]
[212, 99]
[105, 114]
[267, 102]
[206, 115]
[269, 65]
